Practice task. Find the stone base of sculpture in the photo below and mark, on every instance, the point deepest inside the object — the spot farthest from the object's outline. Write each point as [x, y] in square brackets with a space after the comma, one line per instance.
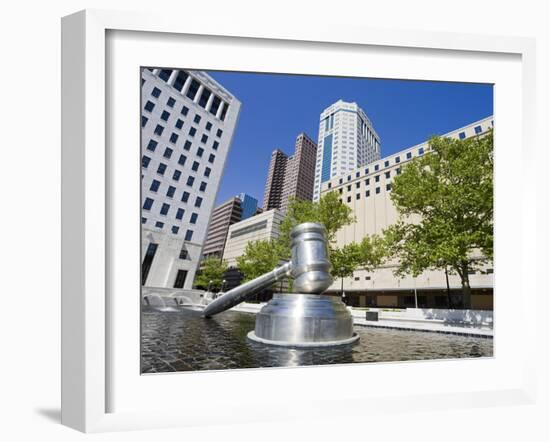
[304, 320]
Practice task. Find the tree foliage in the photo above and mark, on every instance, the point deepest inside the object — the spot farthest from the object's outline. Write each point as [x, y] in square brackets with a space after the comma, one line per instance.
[445, 203]
[259, 257]
[211, 273]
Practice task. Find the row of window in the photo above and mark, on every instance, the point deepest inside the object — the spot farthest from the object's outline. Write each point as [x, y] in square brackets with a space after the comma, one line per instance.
[175, 230]
[367, 193]
[387, 175]
[148, 204]
[192, 91]
[149, 106]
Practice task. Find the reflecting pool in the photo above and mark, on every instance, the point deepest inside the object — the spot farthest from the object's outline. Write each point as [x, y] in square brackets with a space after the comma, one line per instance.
[182, 340]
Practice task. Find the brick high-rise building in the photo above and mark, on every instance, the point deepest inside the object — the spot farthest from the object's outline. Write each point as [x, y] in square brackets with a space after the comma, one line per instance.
[275, 180]
[300, 171]
[292, 176]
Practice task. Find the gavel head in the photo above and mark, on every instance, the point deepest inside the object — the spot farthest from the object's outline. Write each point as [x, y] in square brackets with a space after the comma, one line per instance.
[310, 261]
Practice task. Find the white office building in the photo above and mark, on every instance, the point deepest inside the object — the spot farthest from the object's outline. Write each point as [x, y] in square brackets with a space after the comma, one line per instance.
[347, 140]
[367, 191]
[265, 226]
[187, 122]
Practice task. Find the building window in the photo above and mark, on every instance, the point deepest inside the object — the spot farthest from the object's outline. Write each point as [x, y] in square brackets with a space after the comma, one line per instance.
[180, 80]
[219, 133]
[378, 190]
[192, 132]
[184, 110]
[149, 106]
[179, 124]
[398, 171]
[215, 145]
[148, 204]
[329, 185]
[143, 220]
[388, 187]
[357, 196]
[215, 105]
[156, 92]
[193, 89]
[190, 180]
[159, 224]
[386, 163]
[367, 193]
[175, 230]
[161, 169]
[170, 192]
[202, 187]
[197, 119]
[208, 126]
[182, 160]
[164, 209]
[195, 166]
[165, 74]
[349, 177]
[188, 235]
[144, 121]
[165, 115]
[185, 197]
[409, 155]
[367, 171]
[177, 175]
[167, 152]
[376, 167]
[193, 219]
[349, 199]
[224, 111]
[200, 151]
[183, 254]
[211, 158]
[207, 171]
[152, 145]
[204, 138]
[145, 160]
[171, 102]
[173, 138]
[367, 181]
[340, 190]
[397, 160]
[179, 213]
[154, 186]
[387, 174]
[349, 188]
[377, 178]
[204, 97]
[159, 129]
[198, 201]
[462, 135]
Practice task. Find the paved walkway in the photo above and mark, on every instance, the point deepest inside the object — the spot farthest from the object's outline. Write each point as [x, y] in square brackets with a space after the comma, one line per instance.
[401, 324]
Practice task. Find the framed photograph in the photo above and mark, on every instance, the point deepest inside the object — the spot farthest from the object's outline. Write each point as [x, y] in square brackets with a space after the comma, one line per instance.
[169, 133]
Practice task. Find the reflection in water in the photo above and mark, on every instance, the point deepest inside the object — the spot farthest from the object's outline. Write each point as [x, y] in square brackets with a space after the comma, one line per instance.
[183, 341]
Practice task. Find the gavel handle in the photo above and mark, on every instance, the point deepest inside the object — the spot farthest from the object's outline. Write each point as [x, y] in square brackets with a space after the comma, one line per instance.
[237, 295]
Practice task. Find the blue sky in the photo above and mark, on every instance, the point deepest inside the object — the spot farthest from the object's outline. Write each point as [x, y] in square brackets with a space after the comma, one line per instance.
[276, 108]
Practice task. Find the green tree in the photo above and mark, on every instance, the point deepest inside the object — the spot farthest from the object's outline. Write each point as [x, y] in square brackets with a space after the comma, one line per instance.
[259, 257]
[328, 211]
[345, 261]
[211, 273]
[445, 203]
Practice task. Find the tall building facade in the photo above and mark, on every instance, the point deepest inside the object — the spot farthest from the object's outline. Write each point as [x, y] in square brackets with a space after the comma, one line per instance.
[187, 125]
[249, 205]
[273, 192]
[300, 172]
[367, 191]
[226, 214]
[291, 177]
[347, 140]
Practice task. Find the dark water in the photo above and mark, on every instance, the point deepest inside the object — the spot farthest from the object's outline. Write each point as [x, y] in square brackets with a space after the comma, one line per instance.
[184, 341]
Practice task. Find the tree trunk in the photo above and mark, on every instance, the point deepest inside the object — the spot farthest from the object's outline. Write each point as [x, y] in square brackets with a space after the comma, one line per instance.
[466, 290]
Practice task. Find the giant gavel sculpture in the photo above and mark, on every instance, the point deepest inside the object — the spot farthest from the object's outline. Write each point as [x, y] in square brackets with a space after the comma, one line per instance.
[305, 318]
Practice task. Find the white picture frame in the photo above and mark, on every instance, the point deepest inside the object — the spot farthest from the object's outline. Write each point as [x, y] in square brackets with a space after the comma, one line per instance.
[88, 206]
